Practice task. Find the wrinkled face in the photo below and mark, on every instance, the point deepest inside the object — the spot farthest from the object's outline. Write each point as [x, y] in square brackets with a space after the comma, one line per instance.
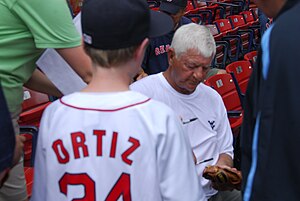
[187, 71]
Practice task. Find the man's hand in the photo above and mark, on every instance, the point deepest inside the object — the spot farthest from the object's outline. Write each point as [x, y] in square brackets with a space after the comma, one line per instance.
[223, 178]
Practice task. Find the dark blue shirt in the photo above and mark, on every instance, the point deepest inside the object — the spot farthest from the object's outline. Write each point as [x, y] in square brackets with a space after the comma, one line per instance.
[7, 135]
[156, 57]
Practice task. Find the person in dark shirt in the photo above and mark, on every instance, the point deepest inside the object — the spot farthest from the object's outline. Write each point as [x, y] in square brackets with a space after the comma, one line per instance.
[271, 131]
[11, 146]
[156, 58]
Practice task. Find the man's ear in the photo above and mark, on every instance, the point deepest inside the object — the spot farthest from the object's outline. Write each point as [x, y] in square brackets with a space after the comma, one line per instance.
[171, 55]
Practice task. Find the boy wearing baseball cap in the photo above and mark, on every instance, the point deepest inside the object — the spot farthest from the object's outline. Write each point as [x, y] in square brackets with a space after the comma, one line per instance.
[107, 142]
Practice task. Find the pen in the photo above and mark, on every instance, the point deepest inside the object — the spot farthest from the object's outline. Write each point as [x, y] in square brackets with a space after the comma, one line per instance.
[190, 120]
[206, 160]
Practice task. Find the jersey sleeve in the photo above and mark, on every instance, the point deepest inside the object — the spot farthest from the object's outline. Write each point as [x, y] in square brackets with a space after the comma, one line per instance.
[178, 177]
[40, 167]
[50, 23]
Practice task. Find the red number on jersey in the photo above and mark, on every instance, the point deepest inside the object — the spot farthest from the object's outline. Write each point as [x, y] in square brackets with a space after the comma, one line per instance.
[121, 187]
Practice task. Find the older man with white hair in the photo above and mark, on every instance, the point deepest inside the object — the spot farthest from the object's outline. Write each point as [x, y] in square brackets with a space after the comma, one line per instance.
[199, 107]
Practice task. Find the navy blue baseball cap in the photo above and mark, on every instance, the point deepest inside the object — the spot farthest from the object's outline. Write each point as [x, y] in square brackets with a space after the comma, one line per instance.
[117, 24]
[172, 6]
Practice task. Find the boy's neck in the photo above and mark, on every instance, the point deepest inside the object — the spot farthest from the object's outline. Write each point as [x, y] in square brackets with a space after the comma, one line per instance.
[111, 79]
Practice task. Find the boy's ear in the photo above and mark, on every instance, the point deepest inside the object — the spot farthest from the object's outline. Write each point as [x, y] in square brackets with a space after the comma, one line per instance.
[140, 51]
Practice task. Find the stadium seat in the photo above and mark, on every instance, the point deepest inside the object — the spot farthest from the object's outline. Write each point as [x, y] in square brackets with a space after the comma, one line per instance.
[30, 133]
[28, 171]
[251, 57]
[230, 35]
[33, 106]
[200, 16]
[225, 86]
[222, 48]
[242, 71]
[247, 34]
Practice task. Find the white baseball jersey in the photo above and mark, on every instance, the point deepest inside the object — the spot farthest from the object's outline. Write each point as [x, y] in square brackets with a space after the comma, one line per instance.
[113, 146]
[203, 116]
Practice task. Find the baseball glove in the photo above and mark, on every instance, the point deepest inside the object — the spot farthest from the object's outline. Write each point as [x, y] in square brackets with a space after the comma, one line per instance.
[223, 178]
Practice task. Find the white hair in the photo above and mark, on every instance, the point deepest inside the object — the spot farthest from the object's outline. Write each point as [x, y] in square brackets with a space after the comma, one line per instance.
[194, 36]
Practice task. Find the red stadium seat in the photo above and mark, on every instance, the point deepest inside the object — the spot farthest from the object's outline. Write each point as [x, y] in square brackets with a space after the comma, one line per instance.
[30, 134]
[230, 35]
[33, 107]
[224, 85]
[247, 34]
[222, 47]
[28, 171]
[242, 71]
[251, 57]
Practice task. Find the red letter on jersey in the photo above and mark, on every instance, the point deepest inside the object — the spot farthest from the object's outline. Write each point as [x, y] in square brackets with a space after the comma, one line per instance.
[79, 143]
[135, 145]
[61, 159]
[113, 145]
[99, 134]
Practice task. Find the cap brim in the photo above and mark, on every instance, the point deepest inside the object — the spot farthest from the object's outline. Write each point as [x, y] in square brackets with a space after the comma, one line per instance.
[169, 7]
[160, 24]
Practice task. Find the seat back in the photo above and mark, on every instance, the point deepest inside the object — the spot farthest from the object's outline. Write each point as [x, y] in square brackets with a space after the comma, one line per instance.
[224, 85]
[213, 29]
[32, 107]
[242, 71]
[206, 16]
[238, 21]
[251, 57]
[248, 16]
[221, 47]
[30, 133]
[223, 25]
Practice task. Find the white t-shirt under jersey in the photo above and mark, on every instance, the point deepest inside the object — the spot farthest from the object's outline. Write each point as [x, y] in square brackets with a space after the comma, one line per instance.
[109, 146]
[210, 135]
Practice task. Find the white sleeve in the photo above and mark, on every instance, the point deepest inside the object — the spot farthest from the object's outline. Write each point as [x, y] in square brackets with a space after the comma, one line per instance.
[40, 183]
[225, 136]
[178, 177]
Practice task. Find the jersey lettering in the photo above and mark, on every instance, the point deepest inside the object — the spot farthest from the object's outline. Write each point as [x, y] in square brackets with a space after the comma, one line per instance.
[78, 140]
[113, 145]
[161, 49]
[65, 157]
[99, 134]
[167, 47]
[78, 179]
[120, 188]
[135, 145]
[81, 149]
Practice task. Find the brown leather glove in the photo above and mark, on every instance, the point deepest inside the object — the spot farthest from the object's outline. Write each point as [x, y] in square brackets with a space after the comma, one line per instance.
[223, 178]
